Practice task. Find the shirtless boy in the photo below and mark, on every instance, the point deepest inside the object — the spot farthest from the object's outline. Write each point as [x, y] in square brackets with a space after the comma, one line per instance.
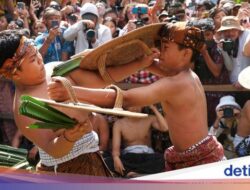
[22, 63]
[137, 157]
[180, 93]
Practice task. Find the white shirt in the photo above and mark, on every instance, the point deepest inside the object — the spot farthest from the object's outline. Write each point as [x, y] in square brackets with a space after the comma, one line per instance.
[76, 32]
[240, 62]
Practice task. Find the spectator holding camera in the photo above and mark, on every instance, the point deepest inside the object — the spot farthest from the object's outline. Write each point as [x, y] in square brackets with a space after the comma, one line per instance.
[137, 15]
[235, 46]
[51, 44]
[87, 32]
[225, 124]
[235, 38]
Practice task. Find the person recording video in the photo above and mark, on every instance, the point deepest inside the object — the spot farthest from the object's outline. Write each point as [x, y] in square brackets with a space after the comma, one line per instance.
[235, 40]
[225, 126]
[88, 32]
[51, 44]
[137, 16]
[235, 50]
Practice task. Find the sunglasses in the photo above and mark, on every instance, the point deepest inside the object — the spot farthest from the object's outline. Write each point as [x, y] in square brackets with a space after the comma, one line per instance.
[245, 21]
[56, 7]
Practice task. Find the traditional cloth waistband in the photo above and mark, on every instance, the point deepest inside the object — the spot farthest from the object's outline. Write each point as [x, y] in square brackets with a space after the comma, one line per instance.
[138, 149]
[206, 151]
[88, 143]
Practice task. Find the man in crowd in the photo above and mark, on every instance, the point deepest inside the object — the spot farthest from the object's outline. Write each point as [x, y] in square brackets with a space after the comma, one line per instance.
[87, 32]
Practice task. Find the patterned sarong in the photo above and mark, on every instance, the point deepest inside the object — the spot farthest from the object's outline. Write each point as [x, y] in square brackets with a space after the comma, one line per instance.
[85, 164]
[206, 151]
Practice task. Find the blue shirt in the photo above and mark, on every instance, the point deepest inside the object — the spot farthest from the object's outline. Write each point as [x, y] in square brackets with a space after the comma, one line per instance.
[56, 48]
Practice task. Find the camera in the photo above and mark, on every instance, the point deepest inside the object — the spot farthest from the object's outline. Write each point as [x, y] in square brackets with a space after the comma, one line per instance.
[228, 112]
[141, 22]
[139, 10]
[228, 45]
[90, 34]
[172, 19]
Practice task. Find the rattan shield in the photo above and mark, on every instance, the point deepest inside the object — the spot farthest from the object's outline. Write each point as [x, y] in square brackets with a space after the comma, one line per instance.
[124, 49]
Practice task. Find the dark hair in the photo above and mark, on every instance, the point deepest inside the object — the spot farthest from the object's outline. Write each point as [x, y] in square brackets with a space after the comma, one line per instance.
[108, 11]
[203, 24]
[214, 11]
[195, 52]
[109, 19]
[9, 42]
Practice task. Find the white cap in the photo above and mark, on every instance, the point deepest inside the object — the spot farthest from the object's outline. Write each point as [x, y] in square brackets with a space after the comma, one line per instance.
[227, 101]
[89, 8]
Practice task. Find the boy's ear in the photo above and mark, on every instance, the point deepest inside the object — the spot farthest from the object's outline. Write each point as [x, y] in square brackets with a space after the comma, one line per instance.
[16, 76]
[188, 53]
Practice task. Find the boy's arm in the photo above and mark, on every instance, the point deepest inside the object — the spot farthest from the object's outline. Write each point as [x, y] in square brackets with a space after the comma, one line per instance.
[147, 95]
[50, 141]
[212, 66]
[103, 132]
[160, 122]
[93, 79]
[246, 47]
[116, 144]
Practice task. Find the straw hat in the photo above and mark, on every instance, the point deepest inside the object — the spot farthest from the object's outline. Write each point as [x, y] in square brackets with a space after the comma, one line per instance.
[124, 49]
[230, 22]
[93, 108]
[227, 101]
[244, 78]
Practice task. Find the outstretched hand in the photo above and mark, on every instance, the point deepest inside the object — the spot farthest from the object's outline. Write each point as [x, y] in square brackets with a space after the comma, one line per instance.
[75, 133]
[148, 60]
[118, 165]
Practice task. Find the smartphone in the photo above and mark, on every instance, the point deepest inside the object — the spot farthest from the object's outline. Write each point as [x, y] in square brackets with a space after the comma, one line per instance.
[20, 5]
[139, 10]
[54, 23]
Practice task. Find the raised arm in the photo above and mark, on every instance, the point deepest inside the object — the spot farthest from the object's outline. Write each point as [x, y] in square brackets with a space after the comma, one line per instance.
[215, 66]
[92, 79]
[160, 122]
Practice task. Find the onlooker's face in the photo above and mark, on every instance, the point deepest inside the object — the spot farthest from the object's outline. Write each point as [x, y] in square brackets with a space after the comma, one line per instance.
[3, 23]
[245, 22]
[200, 11]
[49, 20]
[231, 34]
[113, 16]
[111, 25]
[217, 19]
[39, 27]
[208, 35]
